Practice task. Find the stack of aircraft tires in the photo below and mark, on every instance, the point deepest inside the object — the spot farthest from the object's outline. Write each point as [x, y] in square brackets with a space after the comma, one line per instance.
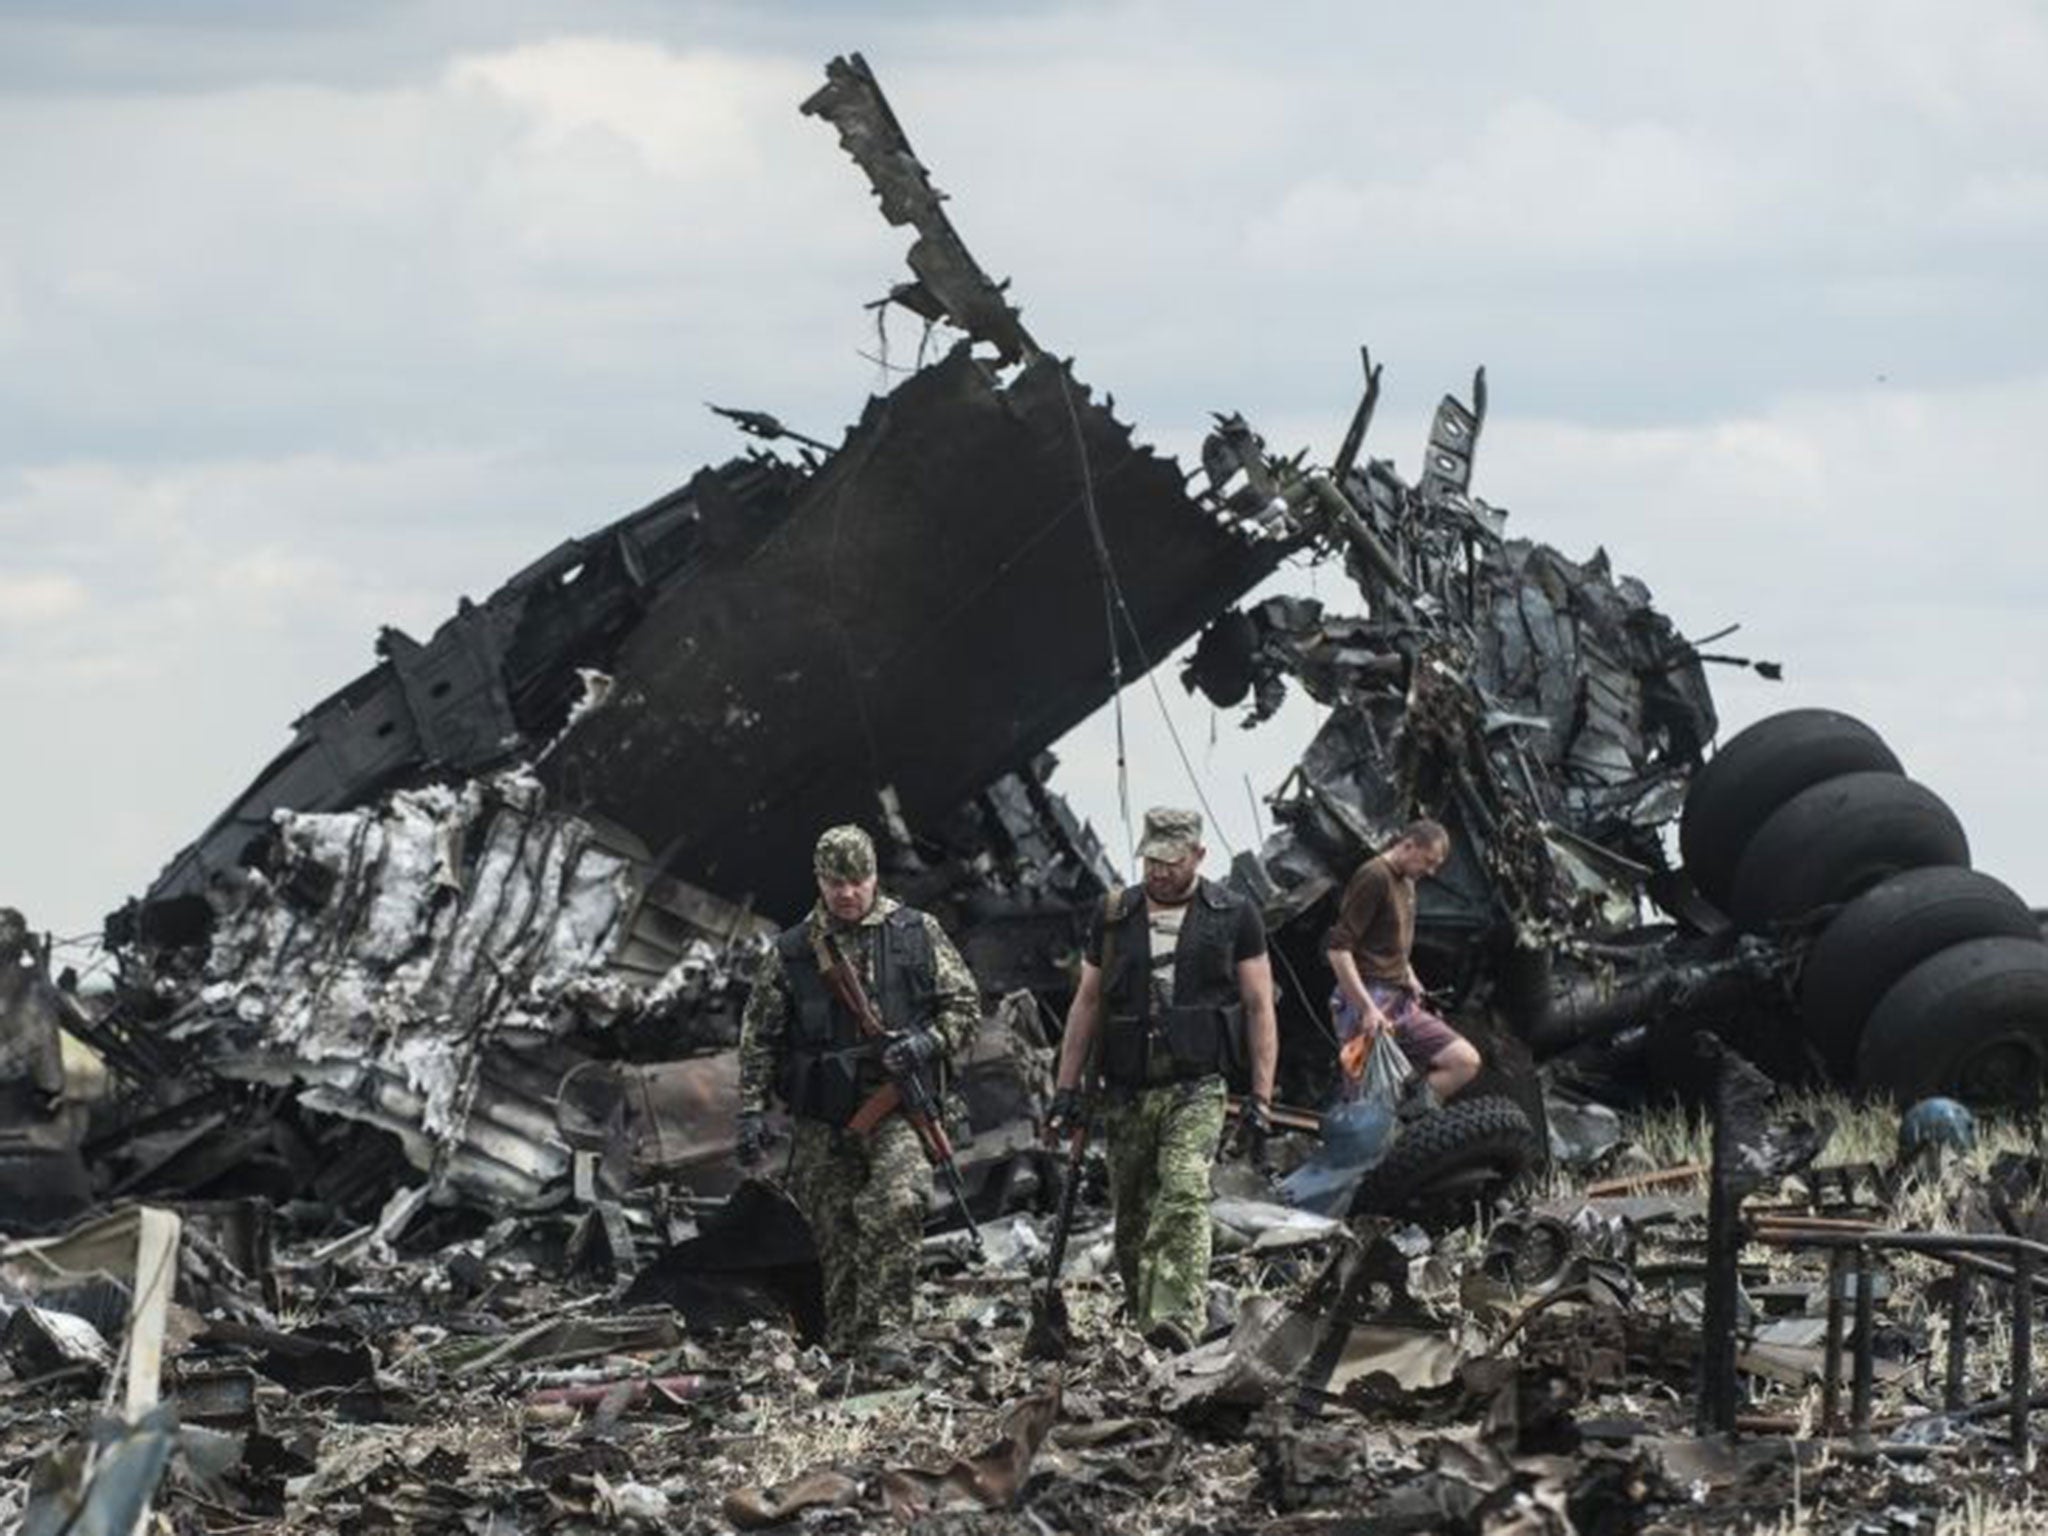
[1923, 976]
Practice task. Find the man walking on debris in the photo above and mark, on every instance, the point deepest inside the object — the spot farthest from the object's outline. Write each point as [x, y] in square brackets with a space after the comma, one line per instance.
[1177, 986]
[864, 1195]
[1369, 950]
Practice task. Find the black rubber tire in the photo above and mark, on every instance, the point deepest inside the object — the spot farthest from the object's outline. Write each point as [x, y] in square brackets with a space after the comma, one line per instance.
[1832, 842]
[1487, 1139]
[1883, 934]
[1970, 1022]
[1757, 770]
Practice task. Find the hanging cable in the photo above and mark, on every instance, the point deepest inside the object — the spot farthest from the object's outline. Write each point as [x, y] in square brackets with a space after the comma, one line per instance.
[1116, 607]
[1112, 602]
[1195, 781]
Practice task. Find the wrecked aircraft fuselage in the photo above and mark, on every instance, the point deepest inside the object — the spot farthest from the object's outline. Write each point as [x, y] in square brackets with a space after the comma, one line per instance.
[913, 617]
[556, 832]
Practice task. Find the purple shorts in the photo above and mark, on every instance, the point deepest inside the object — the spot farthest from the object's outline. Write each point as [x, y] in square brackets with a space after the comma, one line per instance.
[1421, 1035]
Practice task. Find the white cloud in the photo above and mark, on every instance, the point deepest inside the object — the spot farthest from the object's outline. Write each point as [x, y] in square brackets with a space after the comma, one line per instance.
[225, 597]
[1532, 183]
[314, 327]
[229, 541]
[627, 157]
[27, 601]
[1885, 494]
[432, 253]
[693, 116]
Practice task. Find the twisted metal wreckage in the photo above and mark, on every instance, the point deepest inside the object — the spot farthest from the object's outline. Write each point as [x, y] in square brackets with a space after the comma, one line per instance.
[492, 913]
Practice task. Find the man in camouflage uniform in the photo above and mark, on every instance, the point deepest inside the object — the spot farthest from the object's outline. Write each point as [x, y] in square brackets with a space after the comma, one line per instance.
[864, 1196]
[1177, 988]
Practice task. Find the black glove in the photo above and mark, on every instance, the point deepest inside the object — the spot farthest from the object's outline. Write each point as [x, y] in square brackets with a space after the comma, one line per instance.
[750, 1145]
[1064, 1115]
[909, 1051]
[1253, 1127]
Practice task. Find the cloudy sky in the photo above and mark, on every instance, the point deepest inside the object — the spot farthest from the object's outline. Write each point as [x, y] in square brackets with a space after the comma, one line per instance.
[313, 318]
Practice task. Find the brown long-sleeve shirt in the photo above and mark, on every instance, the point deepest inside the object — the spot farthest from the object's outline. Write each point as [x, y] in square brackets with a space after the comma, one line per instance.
[1376, 922]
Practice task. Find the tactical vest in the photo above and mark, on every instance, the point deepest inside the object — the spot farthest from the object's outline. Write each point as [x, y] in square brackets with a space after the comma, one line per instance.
[1202, 1032]
[828, 1065]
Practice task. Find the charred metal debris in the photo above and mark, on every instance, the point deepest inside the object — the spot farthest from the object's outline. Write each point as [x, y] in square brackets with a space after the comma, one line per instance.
[428, 1037]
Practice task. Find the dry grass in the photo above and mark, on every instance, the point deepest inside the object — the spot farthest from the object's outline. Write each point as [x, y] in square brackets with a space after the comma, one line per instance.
[1982, 1514]
[1666, 1137]
[1948, 1197]
[1977, 1513]
[1865, 1131]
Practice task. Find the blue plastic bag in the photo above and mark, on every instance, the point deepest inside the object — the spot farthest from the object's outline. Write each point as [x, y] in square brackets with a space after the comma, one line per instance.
[1355, 1135]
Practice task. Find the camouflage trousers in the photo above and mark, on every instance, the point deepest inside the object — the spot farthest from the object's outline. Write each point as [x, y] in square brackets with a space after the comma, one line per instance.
[865, 1199]
[1162, 1141]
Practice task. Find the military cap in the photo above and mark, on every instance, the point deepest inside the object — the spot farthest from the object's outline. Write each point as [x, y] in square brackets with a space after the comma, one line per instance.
[1170, 835]
[845, 853]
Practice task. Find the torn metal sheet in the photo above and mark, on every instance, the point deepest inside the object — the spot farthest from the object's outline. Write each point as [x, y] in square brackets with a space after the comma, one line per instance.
[932, 597]
[1541, 707]
[1276, 1350]
[1263, 1226]
[950, 283]
[39, 1342]
[421, 965]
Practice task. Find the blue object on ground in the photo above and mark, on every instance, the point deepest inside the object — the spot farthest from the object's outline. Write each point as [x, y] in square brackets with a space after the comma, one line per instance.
[1355, 1137]
[1937, 1123]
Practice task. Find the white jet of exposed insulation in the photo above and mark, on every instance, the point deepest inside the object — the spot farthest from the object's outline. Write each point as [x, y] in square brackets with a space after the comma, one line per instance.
[409, 965]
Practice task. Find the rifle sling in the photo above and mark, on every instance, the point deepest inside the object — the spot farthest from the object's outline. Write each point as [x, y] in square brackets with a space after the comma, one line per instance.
[843, 982]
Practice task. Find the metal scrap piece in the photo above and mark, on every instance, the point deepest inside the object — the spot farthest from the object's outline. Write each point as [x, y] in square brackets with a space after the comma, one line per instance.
[950, 283]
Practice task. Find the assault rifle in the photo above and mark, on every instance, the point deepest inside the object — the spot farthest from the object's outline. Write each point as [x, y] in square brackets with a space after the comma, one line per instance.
[908, 1094]
[1051, 1335]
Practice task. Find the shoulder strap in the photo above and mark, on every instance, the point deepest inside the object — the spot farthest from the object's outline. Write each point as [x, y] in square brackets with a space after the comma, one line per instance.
[1113, 910]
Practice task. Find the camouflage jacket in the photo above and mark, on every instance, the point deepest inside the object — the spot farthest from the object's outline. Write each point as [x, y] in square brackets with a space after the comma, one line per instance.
[764, 1028]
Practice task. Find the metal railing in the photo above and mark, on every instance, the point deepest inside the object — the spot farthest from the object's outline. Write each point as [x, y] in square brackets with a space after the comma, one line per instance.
[1852, 1249]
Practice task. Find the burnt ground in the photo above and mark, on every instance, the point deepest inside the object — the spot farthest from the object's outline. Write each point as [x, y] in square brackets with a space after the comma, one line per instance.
[1533, 1370]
